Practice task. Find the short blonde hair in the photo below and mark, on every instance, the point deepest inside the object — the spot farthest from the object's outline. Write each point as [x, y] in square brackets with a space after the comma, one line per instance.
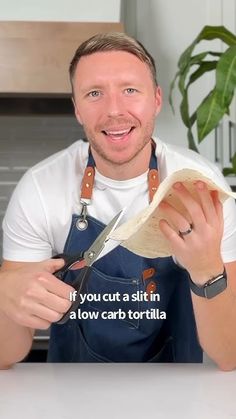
[113, 41]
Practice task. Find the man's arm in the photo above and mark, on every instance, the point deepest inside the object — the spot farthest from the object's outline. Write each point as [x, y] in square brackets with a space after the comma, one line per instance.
[16, 340]
[216, 322]
[31, 297]
[200, 253]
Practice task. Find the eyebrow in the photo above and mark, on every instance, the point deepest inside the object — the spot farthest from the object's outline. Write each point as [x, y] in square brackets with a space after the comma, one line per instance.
[100, 86]
[90, 88]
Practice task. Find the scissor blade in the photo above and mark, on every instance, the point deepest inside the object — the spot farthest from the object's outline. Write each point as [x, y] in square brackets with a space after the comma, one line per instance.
[108, 247]
[101, 245]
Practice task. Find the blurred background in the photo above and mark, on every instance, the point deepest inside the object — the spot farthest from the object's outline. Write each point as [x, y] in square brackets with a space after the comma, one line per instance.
[37, 41]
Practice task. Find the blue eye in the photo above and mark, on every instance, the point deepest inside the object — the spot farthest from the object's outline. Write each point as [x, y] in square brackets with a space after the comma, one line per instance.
[94, 93]
[131, 90]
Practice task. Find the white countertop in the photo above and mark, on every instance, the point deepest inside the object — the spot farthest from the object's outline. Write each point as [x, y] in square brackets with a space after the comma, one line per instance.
[117, 391]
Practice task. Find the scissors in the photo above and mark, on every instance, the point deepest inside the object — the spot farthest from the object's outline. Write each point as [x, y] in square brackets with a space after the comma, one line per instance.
[84, 261]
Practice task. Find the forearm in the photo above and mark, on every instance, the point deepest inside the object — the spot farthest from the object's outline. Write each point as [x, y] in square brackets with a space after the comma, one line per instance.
[216, 320]
[199, 250]
[16, 341]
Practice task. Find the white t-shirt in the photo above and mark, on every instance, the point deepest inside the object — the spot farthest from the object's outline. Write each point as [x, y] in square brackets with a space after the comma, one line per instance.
[38, 217]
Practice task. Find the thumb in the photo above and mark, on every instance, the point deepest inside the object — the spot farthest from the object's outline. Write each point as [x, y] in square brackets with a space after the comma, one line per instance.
[52, 265]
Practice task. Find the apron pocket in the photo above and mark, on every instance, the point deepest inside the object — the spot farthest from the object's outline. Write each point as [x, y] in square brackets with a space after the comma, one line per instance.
[84, 353]
[166, 353]
[112, 294]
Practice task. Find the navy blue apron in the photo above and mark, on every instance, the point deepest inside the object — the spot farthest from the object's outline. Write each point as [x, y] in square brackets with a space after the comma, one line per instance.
[170, 339]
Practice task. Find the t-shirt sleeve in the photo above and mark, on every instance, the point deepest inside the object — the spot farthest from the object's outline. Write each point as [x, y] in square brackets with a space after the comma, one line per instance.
[25, 226]
[228, 244]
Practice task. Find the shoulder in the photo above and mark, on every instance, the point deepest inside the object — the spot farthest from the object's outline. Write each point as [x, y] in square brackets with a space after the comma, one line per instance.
[68, 160]
[38, 216]
[172, 158]
[55, 180]
[59, 170]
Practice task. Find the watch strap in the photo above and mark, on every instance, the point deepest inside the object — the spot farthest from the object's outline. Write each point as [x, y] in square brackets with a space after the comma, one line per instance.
[211, 288]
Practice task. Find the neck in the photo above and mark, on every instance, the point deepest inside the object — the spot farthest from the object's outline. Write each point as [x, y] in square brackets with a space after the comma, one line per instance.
[124, 171]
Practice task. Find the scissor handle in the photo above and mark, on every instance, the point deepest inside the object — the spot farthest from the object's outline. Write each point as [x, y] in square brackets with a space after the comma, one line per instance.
[79, 282]
[69, 261]
[78, 285]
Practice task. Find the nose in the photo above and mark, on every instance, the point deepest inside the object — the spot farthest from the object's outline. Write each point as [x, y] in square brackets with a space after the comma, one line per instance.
[115, 106]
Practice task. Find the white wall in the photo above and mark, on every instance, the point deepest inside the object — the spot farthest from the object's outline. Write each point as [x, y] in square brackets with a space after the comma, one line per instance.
[166, 28]
[61, 10]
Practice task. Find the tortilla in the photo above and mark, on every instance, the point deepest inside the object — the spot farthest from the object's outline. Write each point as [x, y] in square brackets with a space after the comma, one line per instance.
[142, 235]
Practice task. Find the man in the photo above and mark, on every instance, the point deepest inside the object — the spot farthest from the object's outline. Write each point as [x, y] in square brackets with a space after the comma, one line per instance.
[116, 99]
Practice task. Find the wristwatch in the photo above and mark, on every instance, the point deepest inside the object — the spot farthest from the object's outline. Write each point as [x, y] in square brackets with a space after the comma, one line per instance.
[211, 288]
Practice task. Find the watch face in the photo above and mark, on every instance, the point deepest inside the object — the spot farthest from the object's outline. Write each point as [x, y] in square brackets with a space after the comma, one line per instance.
[215, 288]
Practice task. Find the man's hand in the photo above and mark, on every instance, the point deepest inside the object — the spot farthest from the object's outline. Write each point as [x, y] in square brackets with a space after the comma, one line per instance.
[198, 251]
[32, 296]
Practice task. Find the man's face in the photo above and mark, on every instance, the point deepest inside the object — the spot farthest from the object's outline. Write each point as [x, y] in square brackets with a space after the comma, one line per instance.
[116, 102]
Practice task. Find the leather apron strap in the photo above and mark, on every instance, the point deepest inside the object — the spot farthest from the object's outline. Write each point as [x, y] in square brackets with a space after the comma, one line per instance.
[89, 175]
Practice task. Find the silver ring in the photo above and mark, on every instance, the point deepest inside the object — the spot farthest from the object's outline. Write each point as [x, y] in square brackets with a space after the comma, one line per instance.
[185, 233]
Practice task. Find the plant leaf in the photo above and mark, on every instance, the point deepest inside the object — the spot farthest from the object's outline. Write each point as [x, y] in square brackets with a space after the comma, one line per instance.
[207, 33]
[182, 78]
[172, 86]
[217, 32]
[234, 162]
[209, 113]
[191, 142]
[193, 118]
[212, 109]
[226, 76]
[204, 67]
[184, 110]
[228, 171]
[197, 59]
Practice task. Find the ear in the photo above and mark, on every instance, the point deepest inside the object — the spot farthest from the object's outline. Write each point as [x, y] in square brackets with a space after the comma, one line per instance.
[77, 114]
[158, 99]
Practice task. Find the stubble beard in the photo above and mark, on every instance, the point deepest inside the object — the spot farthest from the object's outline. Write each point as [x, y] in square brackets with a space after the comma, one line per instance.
[146, 135]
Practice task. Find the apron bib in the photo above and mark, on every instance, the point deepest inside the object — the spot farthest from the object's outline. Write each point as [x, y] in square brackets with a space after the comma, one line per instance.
[170, 339]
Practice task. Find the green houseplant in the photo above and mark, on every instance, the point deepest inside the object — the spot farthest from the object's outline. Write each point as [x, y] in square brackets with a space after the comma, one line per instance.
[216, 103]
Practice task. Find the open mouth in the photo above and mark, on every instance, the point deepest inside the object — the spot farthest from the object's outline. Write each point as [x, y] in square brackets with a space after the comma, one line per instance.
[118, 134]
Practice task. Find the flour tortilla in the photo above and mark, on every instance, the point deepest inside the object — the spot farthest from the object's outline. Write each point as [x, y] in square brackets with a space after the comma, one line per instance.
[142, 235]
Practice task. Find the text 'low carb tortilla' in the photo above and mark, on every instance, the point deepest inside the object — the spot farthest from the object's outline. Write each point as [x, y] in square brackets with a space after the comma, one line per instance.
[142, 235]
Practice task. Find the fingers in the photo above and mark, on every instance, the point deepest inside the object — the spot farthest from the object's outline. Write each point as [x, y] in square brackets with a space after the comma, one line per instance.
[52, 265]
[217, 204]
[39, 308]
[201, 212]
[207, 203]
[54, 285]
[174, 238]
[192, 206]
[35, 299]
[43, 312]
[32, 321]
[208, 210]
[199, 248]
[178, 220]
[51, 300]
